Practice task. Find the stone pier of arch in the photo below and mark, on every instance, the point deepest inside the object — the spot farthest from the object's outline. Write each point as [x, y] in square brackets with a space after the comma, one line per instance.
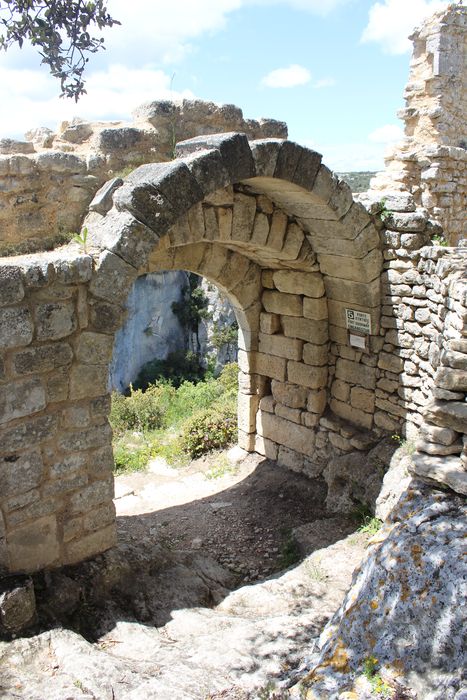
[282, 236]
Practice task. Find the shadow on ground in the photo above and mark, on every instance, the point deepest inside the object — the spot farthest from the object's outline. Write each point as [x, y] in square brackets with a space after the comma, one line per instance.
[190, 555]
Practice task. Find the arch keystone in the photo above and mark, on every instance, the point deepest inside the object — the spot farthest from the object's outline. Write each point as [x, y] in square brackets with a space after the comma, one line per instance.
[233, 147]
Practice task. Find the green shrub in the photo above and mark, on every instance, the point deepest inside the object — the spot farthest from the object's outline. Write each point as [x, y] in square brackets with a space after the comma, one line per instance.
[141, 411]
[228, 378]
[174, 423]
[209, 429]
[130, 458]
[178, 367]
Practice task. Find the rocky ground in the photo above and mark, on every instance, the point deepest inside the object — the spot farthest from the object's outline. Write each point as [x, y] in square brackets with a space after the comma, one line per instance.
[194, 602]
[238, 508]
[166, 614]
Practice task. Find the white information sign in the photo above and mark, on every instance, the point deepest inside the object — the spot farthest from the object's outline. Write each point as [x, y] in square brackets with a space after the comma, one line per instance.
[358, 321]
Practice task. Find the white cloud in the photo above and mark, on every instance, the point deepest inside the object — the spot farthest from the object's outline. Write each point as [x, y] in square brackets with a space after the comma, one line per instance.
[390, 22]
[289, 77]
[316, 7]
[389, 133]
[112, 93]
[157, 30]
[324, 83]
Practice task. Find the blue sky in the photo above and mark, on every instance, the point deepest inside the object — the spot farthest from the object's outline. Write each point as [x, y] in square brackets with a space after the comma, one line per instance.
[334, 70]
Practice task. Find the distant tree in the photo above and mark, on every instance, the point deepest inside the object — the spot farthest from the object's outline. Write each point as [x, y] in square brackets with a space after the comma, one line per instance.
[60, 30]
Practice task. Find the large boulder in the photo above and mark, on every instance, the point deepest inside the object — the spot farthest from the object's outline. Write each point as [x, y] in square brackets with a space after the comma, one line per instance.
[402, 623]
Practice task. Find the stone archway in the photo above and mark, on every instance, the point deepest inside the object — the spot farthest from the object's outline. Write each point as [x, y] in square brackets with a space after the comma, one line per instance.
[266, 222]
[282, 236]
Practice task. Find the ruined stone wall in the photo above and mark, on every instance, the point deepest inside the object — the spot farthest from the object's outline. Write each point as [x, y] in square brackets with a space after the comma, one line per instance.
[431, 161]
[283, 238]
[48, 181]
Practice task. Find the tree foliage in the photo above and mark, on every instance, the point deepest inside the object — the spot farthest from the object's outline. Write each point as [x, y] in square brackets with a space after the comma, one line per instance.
[63, 31]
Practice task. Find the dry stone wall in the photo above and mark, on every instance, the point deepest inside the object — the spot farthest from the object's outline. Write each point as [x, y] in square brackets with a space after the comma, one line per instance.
[48, 181]
[283, 238]
[431, 161]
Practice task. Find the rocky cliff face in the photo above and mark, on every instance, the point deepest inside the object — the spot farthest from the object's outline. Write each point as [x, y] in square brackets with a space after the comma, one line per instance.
[151, 330]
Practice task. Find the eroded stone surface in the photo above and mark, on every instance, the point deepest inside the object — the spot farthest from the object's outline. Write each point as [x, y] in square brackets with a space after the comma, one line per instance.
[418, 638]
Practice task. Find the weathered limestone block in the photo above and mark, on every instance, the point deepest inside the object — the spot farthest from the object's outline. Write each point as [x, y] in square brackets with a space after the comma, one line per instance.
[244, 212]
[297, 164]
[292, 414]
[267, 403]
[269, 323]
[448, 414]
[355, 373]
[122, 234]
[352, 414]
[407, 557]
[16, 327]
[265, 447]
[445, 470]
[208, 169]
[102, 201]
[42, 358]
[406, 221]
[29, 433]
[233, 147]
[260, 230]
[269, 366]
[289, 394]
[74, 441]
[294, 282]
[442, 436]
[20, 473]
[87, 381]
[306, 329]
[383, 420]
[364, 269]
[265, 153]
[112, 279]
[87, 545]
[315, 354]
[433, 448]
[22, 398]
[277, 231]
[358, 247]
[286, 433]
[55, 320]
[293, 242]
[340, 390]
[94, 348]
[390, 362]
[316, 401]
[364, 294]
[104, 317]
[310, 420]
[456, 360]
[281, 346]
[94, 494]
[362, 399]
[57, 386]
[247, 408]
[11, 285]
[34, 546]
[307, 375]
[451, 379]
[280, 303]
[17, 607]
[290, 458]
[315, 309]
